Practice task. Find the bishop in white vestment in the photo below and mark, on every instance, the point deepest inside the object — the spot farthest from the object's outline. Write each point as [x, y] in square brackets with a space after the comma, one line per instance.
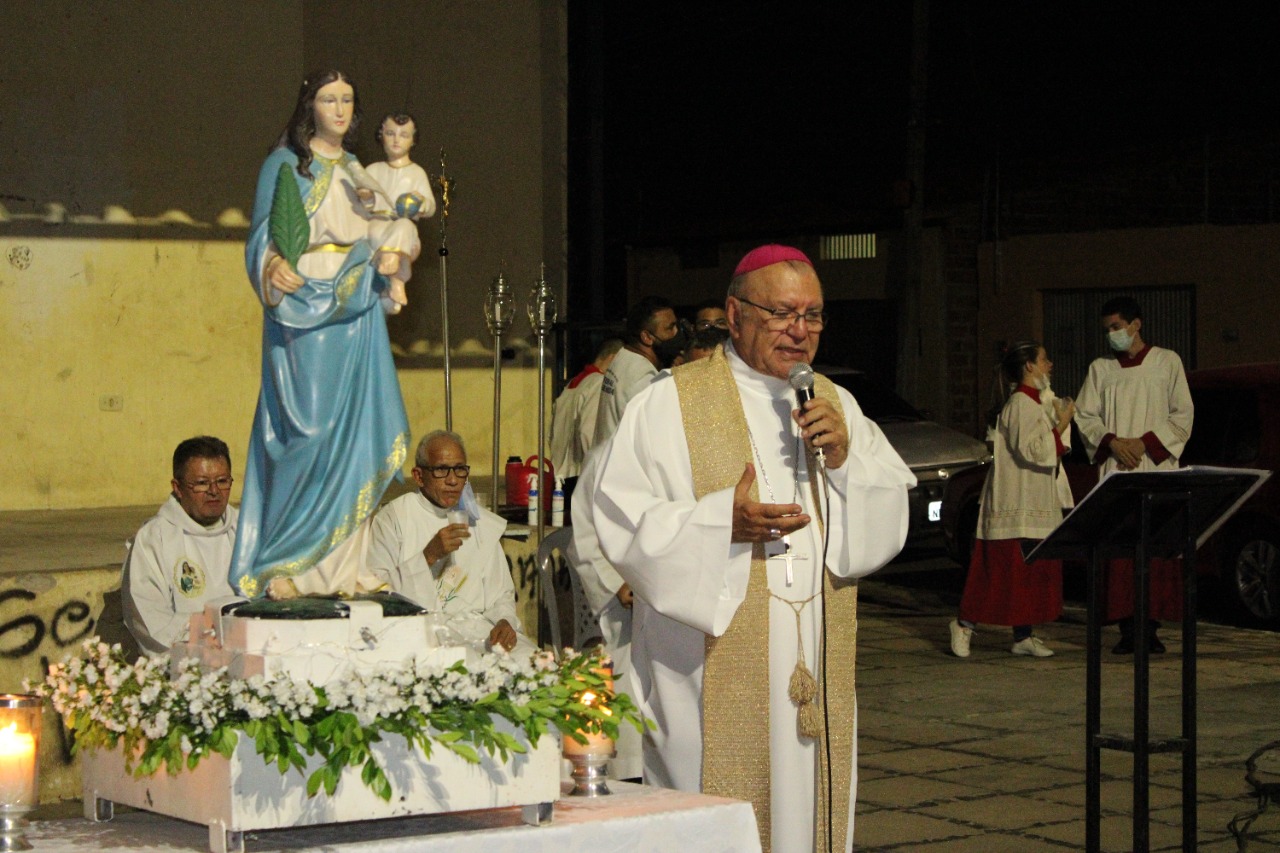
[693, 560]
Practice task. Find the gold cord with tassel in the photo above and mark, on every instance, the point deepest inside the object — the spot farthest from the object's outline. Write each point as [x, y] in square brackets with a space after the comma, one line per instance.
[803, 688]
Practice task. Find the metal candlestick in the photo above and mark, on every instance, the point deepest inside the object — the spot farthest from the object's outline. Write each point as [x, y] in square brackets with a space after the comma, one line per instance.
[590, 775]
[499, 311]
[542, 316]
[446, 183]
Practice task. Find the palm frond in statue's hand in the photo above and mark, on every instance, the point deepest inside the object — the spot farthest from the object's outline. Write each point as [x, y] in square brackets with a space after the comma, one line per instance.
[288, 225]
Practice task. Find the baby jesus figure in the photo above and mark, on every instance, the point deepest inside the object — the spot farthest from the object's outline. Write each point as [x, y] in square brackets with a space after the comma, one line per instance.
[407, 187]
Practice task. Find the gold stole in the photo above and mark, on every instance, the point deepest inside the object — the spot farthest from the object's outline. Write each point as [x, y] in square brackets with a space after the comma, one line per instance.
[735, 682]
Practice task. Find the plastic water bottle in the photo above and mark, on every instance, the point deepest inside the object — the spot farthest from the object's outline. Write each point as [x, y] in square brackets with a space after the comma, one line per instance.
[533, 504]
[557, 504]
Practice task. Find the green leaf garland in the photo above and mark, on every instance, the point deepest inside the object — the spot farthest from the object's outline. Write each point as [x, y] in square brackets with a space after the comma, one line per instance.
[174, 720]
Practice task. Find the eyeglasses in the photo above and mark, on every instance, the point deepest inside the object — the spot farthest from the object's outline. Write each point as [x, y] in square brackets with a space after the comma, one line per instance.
[222, 484]
[462, 472]
[780, 319]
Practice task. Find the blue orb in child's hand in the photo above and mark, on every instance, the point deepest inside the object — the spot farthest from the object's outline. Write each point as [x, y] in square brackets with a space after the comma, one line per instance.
[408, 205]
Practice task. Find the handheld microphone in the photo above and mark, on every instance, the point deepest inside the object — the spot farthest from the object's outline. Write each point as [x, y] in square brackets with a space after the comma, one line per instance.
[801, 381]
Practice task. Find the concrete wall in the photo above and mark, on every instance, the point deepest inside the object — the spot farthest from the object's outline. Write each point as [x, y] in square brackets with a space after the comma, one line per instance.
[660, 270]
[1235, 271]
[130, 141]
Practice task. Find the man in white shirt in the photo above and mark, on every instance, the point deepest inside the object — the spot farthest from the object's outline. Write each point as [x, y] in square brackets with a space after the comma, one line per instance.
[444, 552]
[714, 503]
[179, 559]
[652, 339]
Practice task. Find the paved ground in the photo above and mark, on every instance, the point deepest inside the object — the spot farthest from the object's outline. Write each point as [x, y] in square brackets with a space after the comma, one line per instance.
[987, 753]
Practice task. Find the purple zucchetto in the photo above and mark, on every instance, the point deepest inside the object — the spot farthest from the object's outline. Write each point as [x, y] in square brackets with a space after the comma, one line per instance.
[767, 255]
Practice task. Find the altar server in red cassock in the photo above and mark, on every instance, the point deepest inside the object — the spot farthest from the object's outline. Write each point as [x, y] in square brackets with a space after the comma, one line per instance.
[1022, 503]
[1134, 412]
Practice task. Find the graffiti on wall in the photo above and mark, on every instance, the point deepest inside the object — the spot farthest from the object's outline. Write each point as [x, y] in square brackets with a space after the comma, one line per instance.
[22, 635]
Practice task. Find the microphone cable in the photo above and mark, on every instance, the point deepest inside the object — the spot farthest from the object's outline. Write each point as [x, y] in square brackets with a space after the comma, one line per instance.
[826, 715]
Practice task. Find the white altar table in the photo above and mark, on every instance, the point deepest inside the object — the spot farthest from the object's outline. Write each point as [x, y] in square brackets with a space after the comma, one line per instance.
[636, 819]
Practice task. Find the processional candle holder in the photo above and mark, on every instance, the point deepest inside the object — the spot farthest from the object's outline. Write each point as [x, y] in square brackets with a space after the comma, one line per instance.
[499, 311]
[19, 768]
[542, 316]
[590, 760]
[447, 184]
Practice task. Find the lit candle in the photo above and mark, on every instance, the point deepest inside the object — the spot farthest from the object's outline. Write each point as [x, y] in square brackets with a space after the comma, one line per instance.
[17, 767]
[598, 744]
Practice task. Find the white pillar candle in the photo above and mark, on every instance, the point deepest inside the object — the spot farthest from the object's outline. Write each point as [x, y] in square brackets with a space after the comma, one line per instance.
[598, 744]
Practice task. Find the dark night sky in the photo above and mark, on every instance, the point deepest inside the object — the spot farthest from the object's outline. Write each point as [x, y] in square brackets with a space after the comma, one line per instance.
[740, 118]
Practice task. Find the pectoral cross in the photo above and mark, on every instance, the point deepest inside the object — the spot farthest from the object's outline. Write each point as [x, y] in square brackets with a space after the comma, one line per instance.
[786, 556]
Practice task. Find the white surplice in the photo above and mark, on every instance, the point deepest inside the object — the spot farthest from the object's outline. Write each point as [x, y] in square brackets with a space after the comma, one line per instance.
[689, 579]
[470, 589]
[174, 566]
[600, 583]
[1130, 401]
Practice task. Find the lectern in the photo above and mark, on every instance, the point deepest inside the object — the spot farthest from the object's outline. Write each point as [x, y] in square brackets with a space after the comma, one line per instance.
[1141, 515]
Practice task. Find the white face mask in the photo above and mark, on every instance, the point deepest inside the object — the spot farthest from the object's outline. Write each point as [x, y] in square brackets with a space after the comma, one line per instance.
[1041, 383]
[1120, 340]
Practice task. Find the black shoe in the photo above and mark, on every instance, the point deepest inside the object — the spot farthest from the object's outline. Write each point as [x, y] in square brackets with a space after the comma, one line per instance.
[1154, 645]
[1124, 647]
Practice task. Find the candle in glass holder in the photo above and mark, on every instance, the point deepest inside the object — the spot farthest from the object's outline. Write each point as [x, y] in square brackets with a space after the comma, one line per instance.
[17, 767]
[598, 744]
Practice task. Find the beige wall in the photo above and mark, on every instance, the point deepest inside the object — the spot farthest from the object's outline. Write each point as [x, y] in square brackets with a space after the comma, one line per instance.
[130, 144]
[1235, 272]
[172, 331]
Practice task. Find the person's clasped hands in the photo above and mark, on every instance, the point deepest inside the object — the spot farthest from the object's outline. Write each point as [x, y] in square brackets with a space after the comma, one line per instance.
[1128, 452]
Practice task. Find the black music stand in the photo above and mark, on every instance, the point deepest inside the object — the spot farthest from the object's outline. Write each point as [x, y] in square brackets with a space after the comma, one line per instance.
[1142, 515]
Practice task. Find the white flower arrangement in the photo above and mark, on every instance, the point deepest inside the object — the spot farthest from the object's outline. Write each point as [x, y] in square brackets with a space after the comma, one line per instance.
[175, 722]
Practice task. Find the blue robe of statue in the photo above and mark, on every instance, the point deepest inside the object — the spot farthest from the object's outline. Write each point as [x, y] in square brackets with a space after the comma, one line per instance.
[330, 429]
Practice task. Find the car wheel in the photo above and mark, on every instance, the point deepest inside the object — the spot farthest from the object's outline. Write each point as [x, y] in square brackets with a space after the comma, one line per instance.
[1250, 576]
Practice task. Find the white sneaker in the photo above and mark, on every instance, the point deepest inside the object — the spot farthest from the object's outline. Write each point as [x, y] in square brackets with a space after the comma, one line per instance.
[960, 636]
[1032, 647]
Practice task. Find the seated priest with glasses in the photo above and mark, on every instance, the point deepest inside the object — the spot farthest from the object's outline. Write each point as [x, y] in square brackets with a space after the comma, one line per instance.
[440, 549]
[179, 560]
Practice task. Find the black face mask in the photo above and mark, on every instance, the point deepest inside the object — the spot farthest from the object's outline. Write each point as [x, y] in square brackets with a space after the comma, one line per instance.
[669, 350]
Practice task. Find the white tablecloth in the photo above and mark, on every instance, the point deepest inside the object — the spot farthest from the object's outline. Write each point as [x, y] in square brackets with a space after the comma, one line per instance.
[635, 819]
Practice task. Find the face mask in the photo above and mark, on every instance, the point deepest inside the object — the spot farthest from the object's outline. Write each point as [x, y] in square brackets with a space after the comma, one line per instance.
[1041, 383]
[468, 504]
[667, 351]
[1120, 340]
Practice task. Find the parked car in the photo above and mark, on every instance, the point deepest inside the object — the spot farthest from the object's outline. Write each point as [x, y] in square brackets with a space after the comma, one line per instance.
[932, 452]
[1237, 425]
